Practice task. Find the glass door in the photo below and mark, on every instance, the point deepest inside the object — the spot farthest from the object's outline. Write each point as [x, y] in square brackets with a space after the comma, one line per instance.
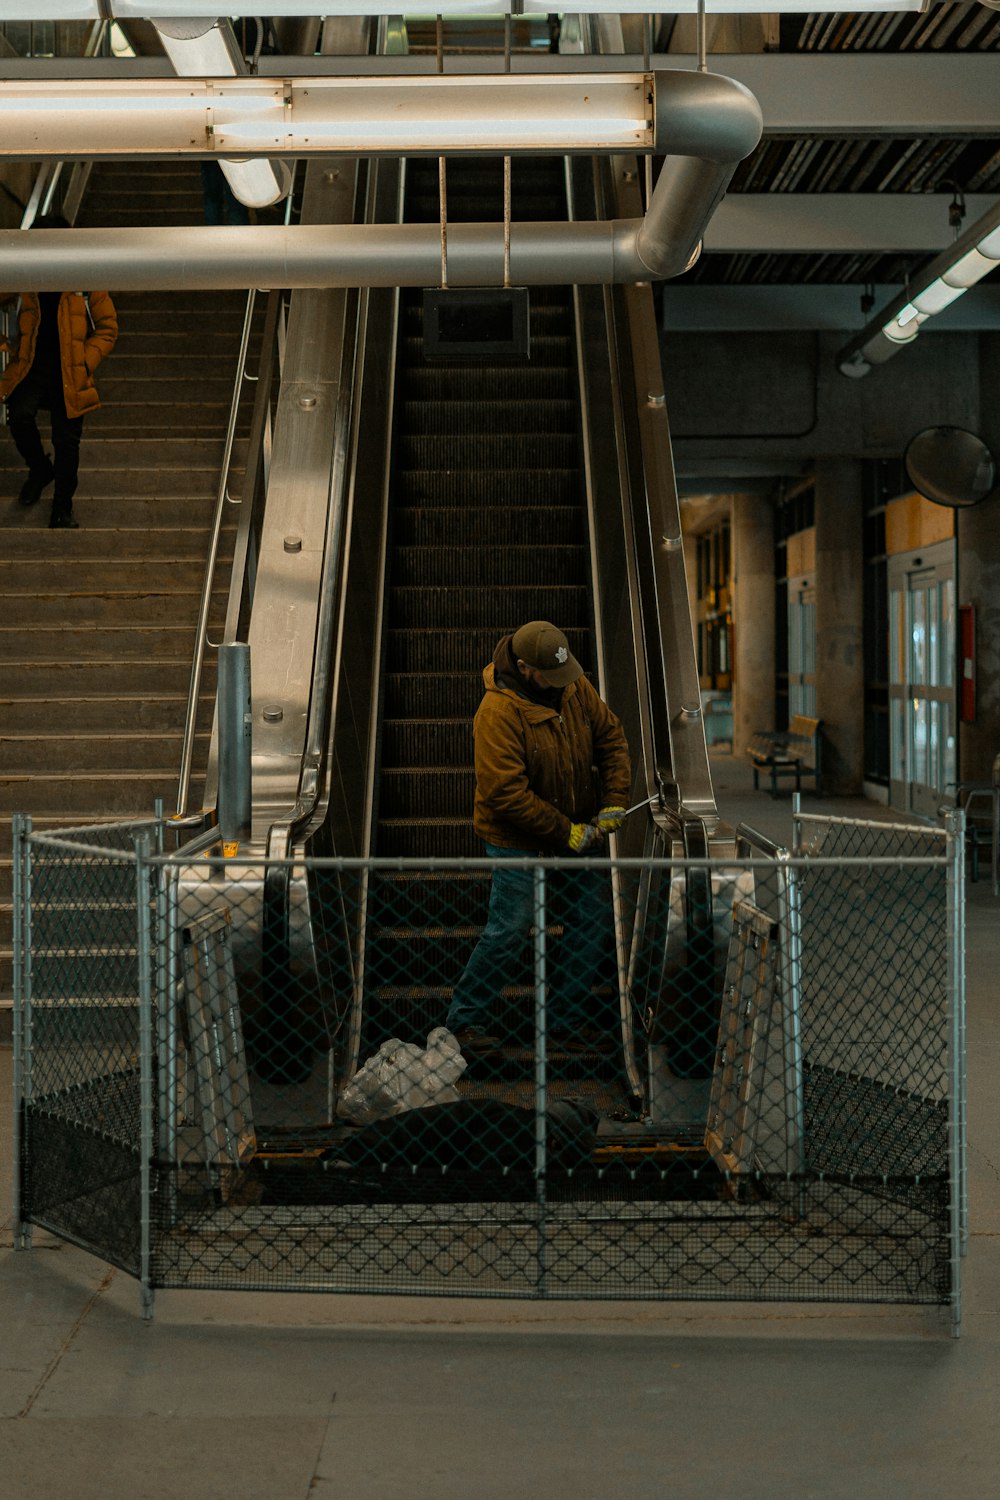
[922, 711]
[802, 648]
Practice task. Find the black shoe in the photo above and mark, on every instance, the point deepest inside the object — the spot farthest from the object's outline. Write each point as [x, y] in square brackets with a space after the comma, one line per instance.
[36, 482]
[587, 1039]
[64, 521]
[474, 1039]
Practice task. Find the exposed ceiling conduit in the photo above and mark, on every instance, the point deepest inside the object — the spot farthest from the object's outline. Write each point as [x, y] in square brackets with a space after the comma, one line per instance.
[712, 122]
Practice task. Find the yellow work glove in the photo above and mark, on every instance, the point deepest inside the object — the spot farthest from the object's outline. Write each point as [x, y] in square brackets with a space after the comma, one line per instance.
[610, 819]
[582, 836]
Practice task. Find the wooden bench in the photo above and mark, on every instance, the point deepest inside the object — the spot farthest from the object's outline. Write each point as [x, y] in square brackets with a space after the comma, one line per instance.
[792, 752]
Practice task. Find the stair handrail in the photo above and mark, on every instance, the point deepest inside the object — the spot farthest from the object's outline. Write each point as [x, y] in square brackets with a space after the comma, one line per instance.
[222, 499]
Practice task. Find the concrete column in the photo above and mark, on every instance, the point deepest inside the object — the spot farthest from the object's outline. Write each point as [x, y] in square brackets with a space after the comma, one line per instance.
[839, 623]
[753, 617]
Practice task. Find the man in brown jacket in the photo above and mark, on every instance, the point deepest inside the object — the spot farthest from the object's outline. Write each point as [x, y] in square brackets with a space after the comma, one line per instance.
[61, 339]
[552, 777]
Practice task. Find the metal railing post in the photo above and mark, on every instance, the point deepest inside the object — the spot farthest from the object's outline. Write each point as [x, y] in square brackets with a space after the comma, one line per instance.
[541, 1070]
[20, 890]
[954, 822]
[790, 913]
[147, 1121]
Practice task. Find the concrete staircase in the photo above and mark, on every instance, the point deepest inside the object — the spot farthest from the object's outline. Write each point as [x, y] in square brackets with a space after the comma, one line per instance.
[97, 626]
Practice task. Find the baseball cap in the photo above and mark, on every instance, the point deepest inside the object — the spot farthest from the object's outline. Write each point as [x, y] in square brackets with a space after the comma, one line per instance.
[544, 647]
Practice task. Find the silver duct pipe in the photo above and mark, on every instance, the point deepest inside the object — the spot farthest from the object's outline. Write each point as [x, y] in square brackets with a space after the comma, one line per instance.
[713, 123]
[210, 258]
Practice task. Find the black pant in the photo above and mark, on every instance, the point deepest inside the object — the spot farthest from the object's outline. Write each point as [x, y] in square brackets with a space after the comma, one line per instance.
[43, 389]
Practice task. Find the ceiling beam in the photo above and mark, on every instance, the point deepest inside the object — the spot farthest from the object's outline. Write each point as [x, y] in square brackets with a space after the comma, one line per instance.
[837, 223]
[819, 308]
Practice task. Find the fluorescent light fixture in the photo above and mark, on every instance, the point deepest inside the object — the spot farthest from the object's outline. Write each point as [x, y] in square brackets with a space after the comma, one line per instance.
[151, 10]
[972, 267]
[242, 116]
[943, 280]
[197, 50]
[937, 297]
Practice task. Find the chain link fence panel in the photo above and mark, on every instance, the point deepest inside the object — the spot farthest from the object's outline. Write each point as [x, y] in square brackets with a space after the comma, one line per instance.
[565, 1078]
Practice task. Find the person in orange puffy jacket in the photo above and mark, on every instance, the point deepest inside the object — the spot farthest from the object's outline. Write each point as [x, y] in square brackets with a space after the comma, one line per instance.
[61, 339]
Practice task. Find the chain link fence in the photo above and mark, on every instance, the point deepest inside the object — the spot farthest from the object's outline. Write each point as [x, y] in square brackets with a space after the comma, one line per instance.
[657, 1078]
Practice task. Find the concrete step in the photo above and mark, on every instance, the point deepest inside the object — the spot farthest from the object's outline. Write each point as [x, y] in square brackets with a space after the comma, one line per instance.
[51, 680]
[160, 420]
[157, 368]
[97, 713]
[136, 606]
[115, 451]
[82, 797]
[173, 543]
[31, 575]
[121, 749]
[111, 501]
[61, 641]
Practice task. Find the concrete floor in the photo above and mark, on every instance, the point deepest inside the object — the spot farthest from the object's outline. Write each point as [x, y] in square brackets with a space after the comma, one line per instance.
[288, 1397]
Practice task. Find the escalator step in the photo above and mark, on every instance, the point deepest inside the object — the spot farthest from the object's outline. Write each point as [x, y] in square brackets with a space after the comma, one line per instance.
[546, 318]
[427, 742]
[440, 525]
[430, 792]
[484, 206]
[476, 486]
[498, 567]
[555, 349]
[459, 649]
[478, 418]
[430, 608]
[517, 451]
[414, 899]
[440, 838]
[497, 383]
[423, 695]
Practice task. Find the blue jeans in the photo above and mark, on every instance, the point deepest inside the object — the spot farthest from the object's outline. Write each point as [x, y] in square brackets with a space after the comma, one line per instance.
[499, 955]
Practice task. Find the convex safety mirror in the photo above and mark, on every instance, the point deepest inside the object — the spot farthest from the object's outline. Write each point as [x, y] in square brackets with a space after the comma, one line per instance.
[950, 466]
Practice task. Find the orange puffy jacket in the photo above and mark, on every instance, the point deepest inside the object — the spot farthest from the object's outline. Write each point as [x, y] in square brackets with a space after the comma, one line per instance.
[88, 330]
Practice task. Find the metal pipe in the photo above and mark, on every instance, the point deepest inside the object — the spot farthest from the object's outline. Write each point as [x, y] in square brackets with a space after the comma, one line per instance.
[356, 255]
[235, 743]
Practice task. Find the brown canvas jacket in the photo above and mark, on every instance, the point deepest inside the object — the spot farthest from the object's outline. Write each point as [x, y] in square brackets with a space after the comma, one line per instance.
[84, 340]
[538, 771]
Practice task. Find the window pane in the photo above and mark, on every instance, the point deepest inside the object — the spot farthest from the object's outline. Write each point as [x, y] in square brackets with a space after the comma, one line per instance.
[918, 637]
[947, 606]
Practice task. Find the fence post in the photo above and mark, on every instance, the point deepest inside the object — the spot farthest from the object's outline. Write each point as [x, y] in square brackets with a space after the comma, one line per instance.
[791, 918]
[541, 1068]
[954, 822]
[144, 952]
[21, 900]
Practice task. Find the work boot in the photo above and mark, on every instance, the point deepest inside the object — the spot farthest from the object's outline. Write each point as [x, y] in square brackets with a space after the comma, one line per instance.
[475, 1039]
[36, 482]
[63, 520]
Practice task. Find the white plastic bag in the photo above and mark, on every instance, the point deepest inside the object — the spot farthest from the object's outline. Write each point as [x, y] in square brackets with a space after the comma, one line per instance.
[401, 1076]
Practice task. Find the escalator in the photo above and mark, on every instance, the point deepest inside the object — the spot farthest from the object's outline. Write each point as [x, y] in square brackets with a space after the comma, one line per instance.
[471, 497]
[489, 529]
